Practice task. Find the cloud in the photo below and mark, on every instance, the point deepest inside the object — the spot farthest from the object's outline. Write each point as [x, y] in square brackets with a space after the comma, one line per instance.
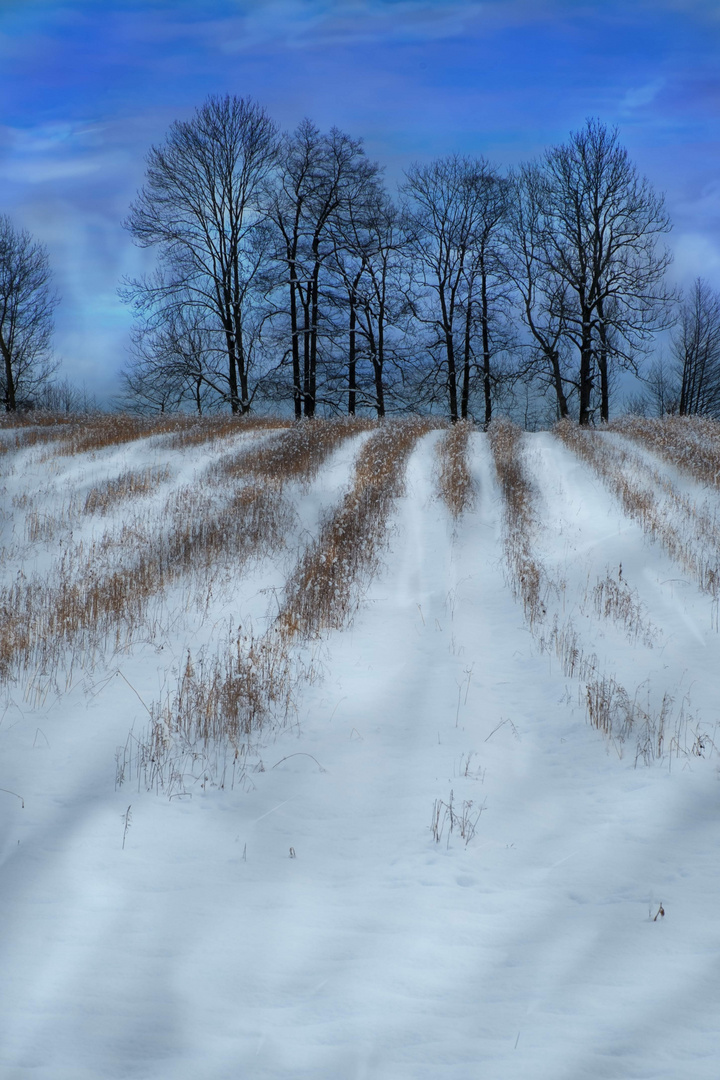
[705, 206]
[696, 255]
[52, 152]
[642, 95]
[320, 23]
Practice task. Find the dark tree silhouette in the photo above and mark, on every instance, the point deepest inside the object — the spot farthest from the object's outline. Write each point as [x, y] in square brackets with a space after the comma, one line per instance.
[696, 351]
[203, 207]
[27, 302]
[599, 242]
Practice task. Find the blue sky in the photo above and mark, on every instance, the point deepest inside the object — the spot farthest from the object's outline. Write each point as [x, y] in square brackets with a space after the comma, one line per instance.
[89, 85]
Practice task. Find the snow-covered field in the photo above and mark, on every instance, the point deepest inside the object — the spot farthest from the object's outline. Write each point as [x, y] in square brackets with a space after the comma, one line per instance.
[435, 867]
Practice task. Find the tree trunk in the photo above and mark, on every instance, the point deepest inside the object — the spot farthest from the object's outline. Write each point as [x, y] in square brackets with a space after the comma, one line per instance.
[379, 366]
[450, 354]
[10, 403]
[311, 384]
[603, 366]
[242, 373]
[452, 379]
[604, 383]
[232, 372]
[295, 344]
[306, 330]
[352, 359]
[465, 394]
[487, 389]
[586, 372]
[558, 383]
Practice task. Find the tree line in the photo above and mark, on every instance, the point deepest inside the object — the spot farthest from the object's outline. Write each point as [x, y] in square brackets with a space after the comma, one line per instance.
[286, 274]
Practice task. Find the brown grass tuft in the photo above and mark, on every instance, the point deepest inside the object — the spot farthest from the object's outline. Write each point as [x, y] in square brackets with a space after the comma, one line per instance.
[695, 545]
[324, 589]
[454, 479]
[130, 484]
[529, 581]
[102, 595]
[691, 443]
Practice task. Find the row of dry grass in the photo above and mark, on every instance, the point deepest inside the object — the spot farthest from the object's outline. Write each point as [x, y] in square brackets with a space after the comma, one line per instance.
[72, 434]
[455, 484]
[100, 432]
[689, 533]
[63, 435]
[130, 484]
[294, 456]
[44, 525]
[322, 592]
[24, 437]
[527, 575]
[202, 733]
[691, 443]
[197, 431]
[99, 598]
[609, 708]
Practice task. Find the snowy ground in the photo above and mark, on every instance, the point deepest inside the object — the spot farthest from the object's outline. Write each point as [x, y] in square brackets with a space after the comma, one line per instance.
[203, 949]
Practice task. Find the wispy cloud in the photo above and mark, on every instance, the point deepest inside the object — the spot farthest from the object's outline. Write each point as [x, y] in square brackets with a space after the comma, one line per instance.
[57, 151]
[319, 23]
[696, 255]
[642, 95]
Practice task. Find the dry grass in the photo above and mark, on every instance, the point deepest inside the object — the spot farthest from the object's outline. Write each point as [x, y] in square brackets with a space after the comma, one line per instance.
[608, 706]
[296, 454]
[218, 428]
[324, 589]
[42, 527]
[454, 480]
[99, 432]
[528, 578]
[25, 437]
[131, 484]
[641, 489]
[203, 731]
[462, 819]
[612, 598]
[75, 434]
[691, 443]
[100, 597]
[649, 497]
[40, 418]
[201, 735]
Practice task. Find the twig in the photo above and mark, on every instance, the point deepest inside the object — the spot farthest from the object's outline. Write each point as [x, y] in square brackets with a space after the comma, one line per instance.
[300, 753]
[119, 672]
[7, 792]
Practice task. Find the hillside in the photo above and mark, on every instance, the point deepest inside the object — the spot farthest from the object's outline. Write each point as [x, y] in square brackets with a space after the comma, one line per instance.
[346, 751]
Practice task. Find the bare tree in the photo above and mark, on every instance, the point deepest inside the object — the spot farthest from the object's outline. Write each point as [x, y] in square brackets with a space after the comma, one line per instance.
[603, 222]
[371, 247]
[64, 396]
[660, 395]
[696, 351]
[541, 295]
[203, 206]
[144, 385]
[176, 360]
[319, 177]
[487, 298]
[456, 205]
[27, 302]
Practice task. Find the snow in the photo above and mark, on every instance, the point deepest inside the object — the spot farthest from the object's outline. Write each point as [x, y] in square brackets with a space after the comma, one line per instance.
[203, 949]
